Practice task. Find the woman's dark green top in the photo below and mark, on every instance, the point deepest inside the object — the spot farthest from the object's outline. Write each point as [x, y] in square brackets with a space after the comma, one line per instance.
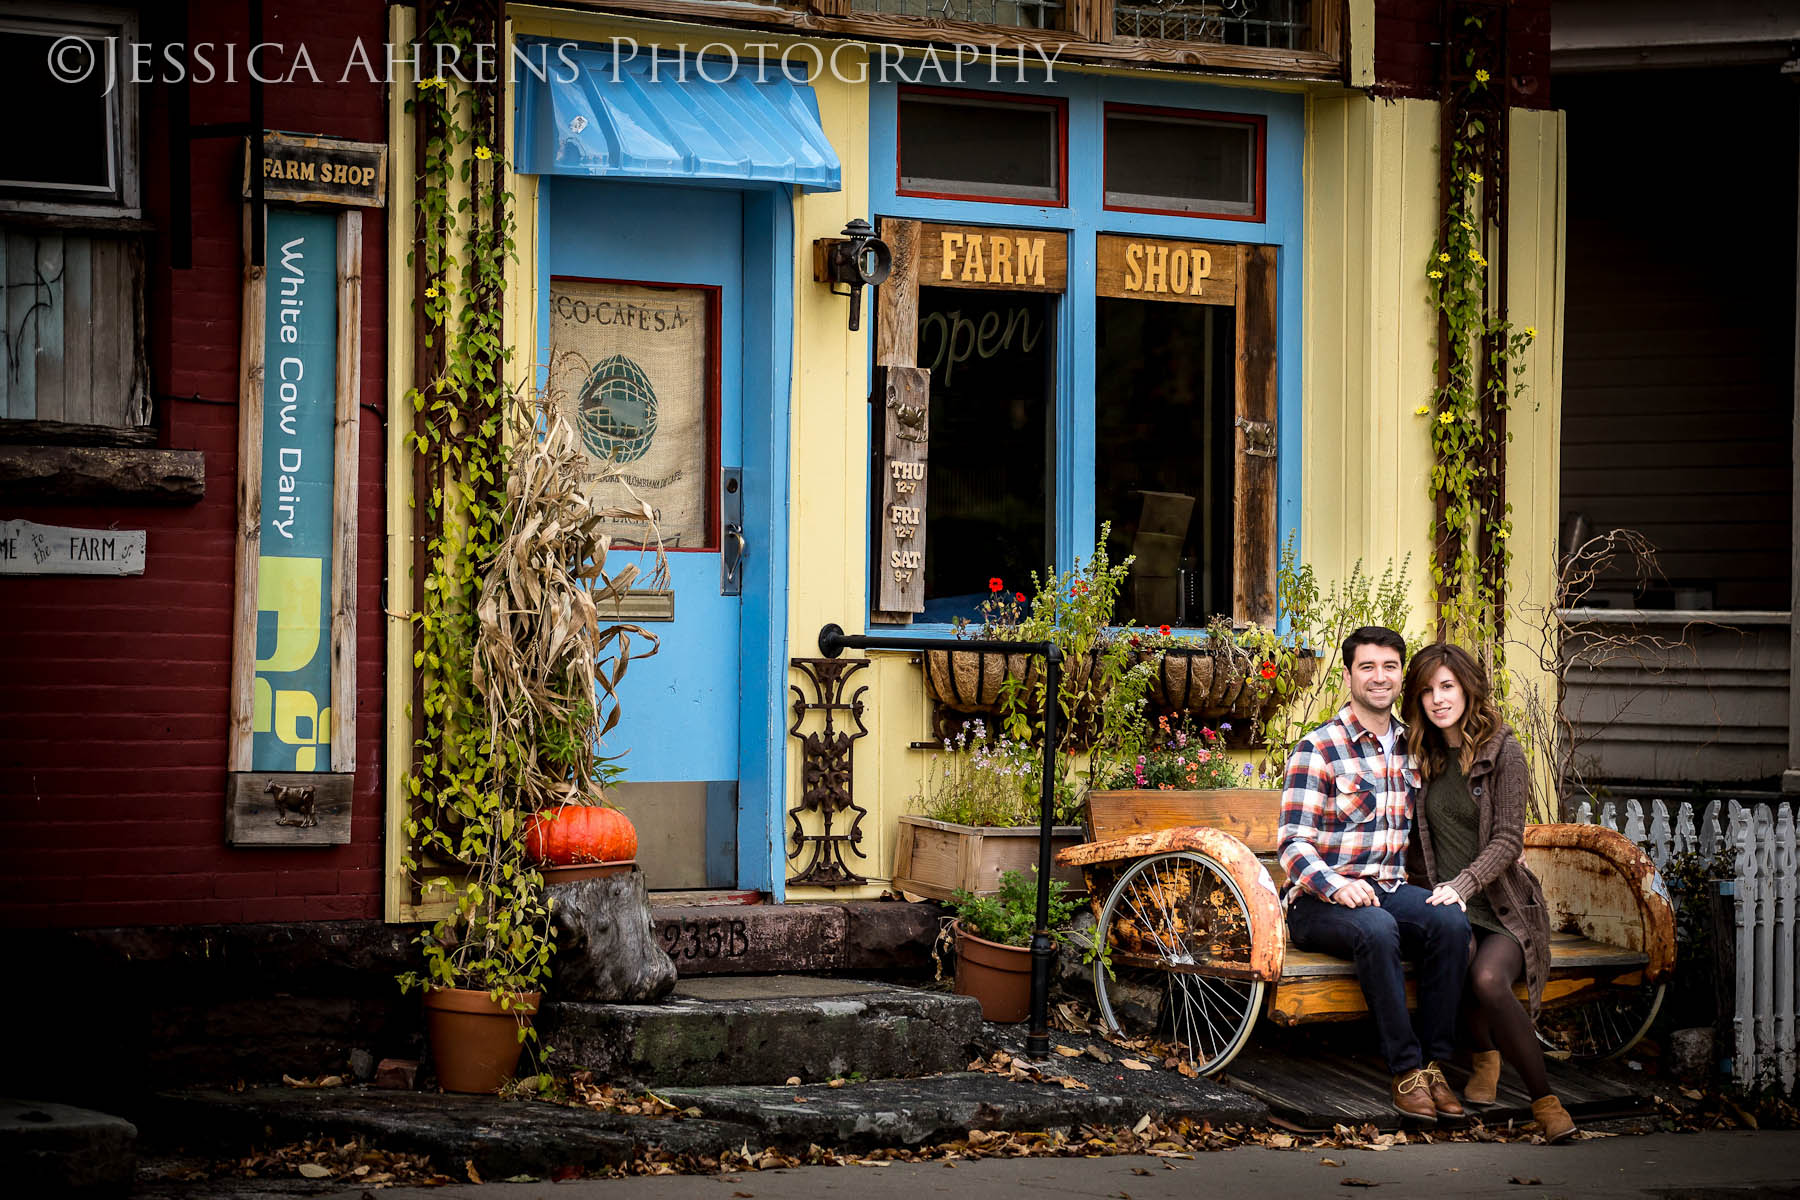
[1455, 835]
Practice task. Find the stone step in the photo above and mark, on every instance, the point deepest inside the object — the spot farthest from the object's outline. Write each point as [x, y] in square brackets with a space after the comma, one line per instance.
[58, 1150]
[771, 939]
[765, 1029]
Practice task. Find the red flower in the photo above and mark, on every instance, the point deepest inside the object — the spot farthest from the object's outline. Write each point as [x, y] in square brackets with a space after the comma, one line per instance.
[1268, 670]
[994, 584]
[1081, 587]
[1163, 629]
[1019, 597]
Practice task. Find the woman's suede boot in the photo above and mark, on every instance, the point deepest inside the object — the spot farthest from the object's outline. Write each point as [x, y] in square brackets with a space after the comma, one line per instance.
[1558, 1126]
[1484, 1078]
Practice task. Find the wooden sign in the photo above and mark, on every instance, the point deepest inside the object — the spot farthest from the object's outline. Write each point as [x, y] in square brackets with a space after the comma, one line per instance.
[320, 170]
[905, 396]
[1134, 268]
[975, 256]
[27, 548]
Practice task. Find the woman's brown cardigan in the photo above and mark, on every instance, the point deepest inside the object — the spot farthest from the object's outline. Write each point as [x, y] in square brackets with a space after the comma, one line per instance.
[1500, 782]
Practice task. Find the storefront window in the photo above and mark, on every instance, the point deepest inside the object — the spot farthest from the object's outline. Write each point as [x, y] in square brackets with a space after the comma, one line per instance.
[1018, 157]
[992, 357]
[1163, 453]
[1192, 164]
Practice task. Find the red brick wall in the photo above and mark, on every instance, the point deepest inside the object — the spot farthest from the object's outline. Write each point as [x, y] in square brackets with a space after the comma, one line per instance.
[1409, 50]
[112, 760]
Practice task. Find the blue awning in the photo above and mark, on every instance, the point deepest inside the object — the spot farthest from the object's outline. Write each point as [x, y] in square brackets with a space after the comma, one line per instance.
[613, 120]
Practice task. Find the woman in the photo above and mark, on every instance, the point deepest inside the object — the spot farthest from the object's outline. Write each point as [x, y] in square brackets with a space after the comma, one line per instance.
[1470, 824]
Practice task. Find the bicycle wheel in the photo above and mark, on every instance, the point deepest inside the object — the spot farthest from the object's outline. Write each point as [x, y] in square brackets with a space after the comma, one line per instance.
[1176, 933]
[1605, 1027]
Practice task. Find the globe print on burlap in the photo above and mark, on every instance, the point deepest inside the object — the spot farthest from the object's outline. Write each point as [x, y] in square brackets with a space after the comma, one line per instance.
[616, 410]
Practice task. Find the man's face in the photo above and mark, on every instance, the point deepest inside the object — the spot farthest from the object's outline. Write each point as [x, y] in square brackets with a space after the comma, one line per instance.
[1374, 676]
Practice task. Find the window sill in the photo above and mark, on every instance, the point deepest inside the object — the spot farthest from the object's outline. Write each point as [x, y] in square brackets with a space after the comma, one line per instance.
[100, 474]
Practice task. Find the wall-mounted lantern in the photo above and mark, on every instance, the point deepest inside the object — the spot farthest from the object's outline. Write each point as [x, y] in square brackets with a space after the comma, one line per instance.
[859, 259]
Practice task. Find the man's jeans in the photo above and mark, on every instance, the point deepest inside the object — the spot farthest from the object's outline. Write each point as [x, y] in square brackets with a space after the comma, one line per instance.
[1434, 936]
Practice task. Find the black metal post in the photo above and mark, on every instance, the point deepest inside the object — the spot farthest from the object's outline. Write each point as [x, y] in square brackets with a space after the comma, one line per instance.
[833, 641]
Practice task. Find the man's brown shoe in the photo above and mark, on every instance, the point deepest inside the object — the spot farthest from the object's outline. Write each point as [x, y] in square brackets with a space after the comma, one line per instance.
[1411, 1092]
[1557, 1124]
[1442, 1098]
[1484, 1078]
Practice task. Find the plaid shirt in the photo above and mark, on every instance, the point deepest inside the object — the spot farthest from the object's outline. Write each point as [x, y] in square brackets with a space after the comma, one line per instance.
[1346, 809]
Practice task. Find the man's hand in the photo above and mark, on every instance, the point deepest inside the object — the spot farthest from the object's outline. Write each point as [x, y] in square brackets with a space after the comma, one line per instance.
[1358, 893]
[1445, 894]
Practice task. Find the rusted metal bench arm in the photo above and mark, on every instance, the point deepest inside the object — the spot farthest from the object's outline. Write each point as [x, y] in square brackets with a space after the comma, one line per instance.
[1601, 885]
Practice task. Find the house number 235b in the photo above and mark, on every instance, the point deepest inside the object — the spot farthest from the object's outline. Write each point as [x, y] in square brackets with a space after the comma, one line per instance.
[704, 939]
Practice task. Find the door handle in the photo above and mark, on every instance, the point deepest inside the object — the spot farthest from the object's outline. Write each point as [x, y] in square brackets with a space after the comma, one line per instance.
[731, 507]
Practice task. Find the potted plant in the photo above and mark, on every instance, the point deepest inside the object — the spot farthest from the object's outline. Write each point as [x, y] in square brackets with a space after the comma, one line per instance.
[992, 935]
[975, 681]
[1224, 674]
[516, 776]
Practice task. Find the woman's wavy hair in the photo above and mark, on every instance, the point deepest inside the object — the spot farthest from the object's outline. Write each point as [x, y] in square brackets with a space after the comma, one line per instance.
[1480, 719]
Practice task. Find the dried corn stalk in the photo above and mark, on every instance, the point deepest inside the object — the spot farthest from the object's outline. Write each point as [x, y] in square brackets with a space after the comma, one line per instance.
[547, 665]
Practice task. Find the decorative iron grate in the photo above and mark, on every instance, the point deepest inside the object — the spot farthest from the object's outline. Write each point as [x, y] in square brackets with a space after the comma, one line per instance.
[1275, 24]
[1024, 14]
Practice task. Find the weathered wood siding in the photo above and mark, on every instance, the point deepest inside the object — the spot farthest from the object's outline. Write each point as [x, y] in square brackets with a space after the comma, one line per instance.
[1714, 709]
[73, 348]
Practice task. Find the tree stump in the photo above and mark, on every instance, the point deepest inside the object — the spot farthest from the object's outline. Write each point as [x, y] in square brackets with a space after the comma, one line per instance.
[606, 949]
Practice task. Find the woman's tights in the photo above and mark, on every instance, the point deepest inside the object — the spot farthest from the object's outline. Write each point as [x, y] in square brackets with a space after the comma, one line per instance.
[1497, 1021]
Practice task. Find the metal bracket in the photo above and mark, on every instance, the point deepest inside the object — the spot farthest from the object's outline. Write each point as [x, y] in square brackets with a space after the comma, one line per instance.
[1259, 437]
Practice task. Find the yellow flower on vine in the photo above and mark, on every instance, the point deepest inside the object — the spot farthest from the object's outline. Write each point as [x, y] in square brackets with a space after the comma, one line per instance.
[1481, 77]
[1442, 257]
[1445, 418]
[483, 153]
[1436, 274]
[1502, 532]
[431, 293]
[1474, 176]
[1475, 257]
[1467, 226]
[1421, 410]
[1531, 331]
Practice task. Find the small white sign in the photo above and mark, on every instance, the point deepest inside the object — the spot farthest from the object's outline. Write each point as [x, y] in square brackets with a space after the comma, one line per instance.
[27, 548]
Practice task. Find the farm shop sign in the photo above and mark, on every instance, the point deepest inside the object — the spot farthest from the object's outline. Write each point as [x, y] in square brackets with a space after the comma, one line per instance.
[975, 256]
[320, 170]
[1134, 268]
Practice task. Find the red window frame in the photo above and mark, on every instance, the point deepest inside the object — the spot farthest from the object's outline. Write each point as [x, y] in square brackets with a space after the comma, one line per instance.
[1259, 123]
[714, 463]
[999, 99]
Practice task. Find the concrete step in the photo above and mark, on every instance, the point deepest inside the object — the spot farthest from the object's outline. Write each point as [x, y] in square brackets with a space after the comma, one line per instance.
[774, 939]
[57, 1150]
[765, 1029]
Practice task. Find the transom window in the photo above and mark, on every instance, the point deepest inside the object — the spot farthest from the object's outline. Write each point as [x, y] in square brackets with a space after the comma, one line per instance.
[75, 148]
[1185, 163]
[972, 147]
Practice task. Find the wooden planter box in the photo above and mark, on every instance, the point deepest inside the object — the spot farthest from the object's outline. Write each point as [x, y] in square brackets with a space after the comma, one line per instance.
[935, 858]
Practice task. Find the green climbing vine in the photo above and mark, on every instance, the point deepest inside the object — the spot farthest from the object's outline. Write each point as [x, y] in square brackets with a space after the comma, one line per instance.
[467, 841]
[1481, 365]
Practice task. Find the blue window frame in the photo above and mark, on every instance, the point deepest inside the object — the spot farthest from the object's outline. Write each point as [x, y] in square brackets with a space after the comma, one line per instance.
[1083, 217]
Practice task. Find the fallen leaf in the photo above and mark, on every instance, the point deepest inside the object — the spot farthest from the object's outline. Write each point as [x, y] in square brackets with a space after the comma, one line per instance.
[1524, 1180]
[469, 1166]
[799, 1099]
[1332, 1162]
[1281, 1141]
[1069, 1052]
[793, 1081]
[1096, 1053]
[836, 1083]
[1132, 1064]
[1353, 1181]
[1139, 1171]
[1143, 1124]
[314, 1171]
[743, 1195]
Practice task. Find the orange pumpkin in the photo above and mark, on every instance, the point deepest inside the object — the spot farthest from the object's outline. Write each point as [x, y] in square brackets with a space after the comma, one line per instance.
[581, 833]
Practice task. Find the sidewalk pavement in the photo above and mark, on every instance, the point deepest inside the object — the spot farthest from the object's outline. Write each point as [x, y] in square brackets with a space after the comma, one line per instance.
[1700, 1166]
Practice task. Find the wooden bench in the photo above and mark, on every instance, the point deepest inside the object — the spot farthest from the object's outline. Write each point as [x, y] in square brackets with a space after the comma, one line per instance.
[1185, 886]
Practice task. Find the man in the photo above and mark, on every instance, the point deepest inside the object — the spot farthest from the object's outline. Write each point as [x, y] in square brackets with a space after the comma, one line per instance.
[1346, 815]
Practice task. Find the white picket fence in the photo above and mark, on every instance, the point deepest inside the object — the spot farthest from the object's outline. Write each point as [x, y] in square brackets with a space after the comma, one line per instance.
[1760, 839]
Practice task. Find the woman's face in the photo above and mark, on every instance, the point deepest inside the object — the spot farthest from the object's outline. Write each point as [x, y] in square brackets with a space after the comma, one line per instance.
[1442, 699]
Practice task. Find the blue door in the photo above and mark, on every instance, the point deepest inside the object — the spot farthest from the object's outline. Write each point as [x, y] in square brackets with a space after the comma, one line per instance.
[646, 283]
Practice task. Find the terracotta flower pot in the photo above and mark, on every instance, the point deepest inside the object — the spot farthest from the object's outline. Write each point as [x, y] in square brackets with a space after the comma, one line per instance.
[475, 1042]
[997, 975]
[969, 680]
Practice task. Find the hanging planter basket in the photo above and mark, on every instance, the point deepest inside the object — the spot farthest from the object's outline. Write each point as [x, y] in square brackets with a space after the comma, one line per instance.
[970, 681]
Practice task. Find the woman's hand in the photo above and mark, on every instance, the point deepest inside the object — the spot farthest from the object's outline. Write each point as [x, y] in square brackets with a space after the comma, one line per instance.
[1443, 893]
